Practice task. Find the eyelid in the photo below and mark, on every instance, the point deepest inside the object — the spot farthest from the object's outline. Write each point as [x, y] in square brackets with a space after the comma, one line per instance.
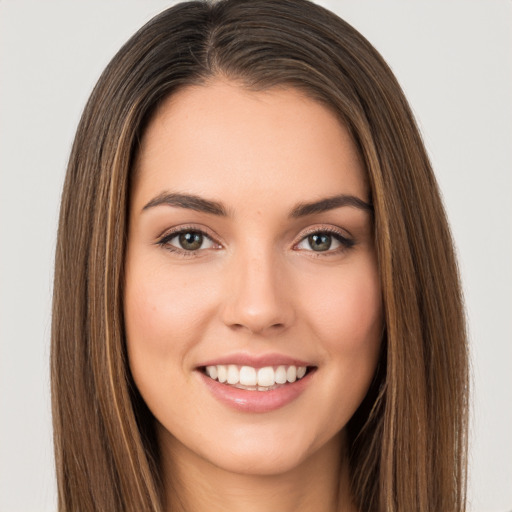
[342, 236]
[324, 228]
[347, 242]
[171, 233]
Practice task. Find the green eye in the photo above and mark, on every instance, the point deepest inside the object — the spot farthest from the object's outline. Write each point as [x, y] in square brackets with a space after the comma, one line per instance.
[190, 241]
[187, 241]
[320, 242]
[325, 241]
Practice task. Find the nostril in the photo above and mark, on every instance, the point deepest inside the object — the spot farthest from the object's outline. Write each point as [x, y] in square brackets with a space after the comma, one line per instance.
[256, 304]
[258, 328]
[237, 327]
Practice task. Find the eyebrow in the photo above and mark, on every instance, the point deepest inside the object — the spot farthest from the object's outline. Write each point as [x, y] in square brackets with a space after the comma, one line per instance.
[188, 201]
[193, 202]
[330, 203]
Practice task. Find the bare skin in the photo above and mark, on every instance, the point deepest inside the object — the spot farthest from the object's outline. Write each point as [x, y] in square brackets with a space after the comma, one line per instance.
[308, 487]
[250, 245]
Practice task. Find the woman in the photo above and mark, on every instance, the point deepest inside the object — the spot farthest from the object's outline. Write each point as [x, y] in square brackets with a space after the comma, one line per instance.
[256, 299]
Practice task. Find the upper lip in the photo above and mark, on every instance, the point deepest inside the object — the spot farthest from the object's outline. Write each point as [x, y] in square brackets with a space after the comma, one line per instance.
[256, 361]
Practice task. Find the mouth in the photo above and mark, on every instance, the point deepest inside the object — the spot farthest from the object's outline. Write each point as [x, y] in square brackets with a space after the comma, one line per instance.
[251, 383]
[249, 378]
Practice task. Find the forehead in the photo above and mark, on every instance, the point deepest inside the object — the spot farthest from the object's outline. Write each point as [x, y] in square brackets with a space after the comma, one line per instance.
[221, 140]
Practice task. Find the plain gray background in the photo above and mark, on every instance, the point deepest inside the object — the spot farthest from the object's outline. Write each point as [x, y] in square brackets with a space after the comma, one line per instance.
[454, 61]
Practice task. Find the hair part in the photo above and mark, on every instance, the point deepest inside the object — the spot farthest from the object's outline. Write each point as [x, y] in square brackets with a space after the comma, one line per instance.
[408, 439]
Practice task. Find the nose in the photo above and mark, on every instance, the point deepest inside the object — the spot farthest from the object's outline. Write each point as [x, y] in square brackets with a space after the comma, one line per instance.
[258, 295]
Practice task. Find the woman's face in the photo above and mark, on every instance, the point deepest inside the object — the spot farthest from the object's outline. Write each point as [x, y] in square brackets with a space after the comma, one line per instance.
[250, 258]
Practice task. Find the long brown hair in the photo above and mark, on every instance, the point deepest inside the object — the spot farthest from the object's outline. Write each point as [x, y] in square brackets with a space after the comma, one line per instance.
[407, 441]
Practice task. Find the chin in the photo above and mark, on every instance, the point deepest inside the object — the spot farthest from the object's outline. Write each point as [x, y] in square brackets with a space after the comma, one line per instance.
[260, 463]
[254, 452]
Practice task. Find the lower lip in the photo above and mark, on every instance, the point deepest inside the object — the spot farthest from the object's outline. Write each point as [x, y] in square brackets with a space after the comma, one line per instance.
[256, 401]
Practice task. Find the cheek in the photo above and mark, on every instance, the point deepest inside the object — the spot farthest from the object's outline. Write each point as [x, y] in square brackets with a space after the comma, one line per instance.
[162, 323]
[145, 335]
[163, 308]
[343, 311]
[157, 319]
[348, 321]
[346, 310]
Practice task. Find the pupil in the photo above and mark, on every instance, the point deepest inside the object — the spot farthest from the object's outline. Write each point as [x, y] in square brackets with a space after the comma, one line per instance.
[320, 242]
[191, 241]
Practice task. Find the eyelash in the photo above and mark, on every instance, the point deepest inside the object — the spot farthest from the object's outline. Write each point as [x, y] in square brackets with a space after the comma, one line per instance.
[164, 241]
[345, 242]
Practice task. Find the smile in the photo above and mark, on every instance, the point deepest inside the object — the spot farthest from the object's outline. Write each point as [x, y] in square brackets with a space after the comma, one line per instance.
[256, 384]
[255, 379]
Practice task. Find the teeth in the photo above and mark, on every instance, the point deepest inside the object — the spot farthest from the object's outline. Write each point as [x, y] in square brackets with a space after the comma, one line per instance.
[211, 371]
[248, 376]
[280, 375]
[266, 376]
[255, 378]
[291, 374]
[221, 372]
[233, 374]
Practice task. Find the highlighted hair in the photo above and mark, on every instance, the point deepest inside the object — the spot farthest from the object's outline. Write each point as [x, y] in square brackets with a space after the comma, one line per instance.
[408, 439]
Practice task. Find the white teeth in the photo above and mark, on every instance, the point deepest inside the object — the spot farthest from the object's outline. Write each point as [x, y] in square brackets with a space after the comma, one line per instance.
[266, 376]
[222, 373]
[211, 371]
[233, 374]
[291, 374]
[260, 379]
[248, 376]
[281, 375]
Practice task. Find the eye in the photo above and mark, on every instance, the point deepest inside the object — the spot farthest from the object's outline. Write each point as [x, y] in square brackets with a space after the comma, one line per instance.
[324, 241]
[187, 240]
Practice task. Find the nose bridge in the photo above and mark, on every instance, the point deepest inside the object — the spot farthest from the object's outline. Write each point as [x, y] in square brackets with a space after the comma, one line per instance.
[256, 297]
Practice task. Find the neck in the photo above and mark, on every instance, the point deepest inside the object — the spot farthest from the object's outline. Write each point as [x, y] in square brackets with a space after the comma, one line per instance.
[320, 484]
